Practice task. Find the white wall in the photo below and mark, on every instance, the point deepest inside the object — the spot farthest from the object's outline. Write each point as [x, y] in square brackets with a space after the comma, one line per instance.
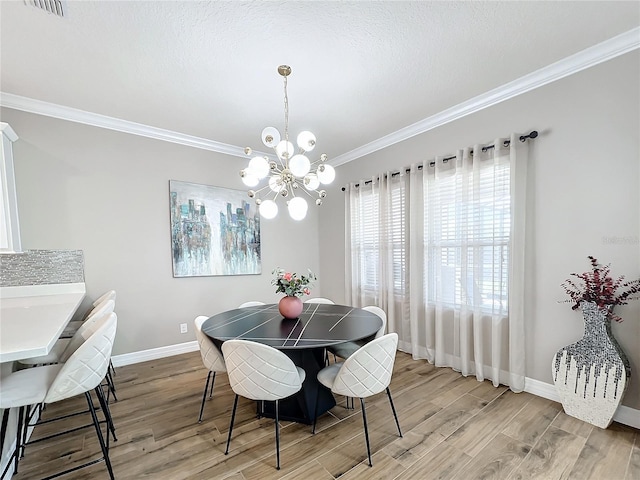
[585, 172]
[107, 193]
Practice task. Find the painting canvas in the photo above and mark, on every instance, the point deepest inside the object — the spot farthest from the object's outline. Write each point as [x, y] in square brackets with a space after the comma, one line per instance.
[214, 231]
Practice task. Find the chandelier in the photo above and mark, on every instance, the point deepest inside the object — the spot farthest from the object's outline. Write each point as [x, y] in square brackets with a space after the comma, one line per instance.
[291, 173]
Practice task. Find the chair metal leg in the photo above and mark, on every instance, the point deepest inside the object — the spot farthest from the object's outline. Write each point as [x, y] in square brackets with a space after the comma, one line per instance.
[96, 424]
[366, 431]
[3, 429]
[233, 416]
[212, 384]
[107, 414]
[277, 437]
[19, 435]
[393, 409]
[111, 385]
[204, 395]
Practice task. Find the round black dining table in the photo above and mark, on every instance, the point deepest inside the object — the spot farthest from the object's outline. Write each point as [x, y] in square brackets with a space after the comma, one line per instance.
[302, 339]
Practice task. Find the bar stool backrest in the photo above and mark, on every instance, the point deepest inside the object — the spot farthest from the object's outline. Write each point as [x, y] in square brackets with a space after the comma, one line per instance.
[87, 328]
[87, 366]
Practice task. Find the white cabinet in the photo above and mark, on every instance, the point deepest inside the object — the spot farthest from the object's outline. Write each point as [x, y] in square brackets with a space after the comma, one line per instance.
[9, 225]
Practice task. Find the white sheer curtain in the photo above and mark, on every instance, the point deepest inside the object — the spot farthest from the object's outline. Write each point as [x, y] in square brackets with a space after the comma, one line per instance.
[441, 250]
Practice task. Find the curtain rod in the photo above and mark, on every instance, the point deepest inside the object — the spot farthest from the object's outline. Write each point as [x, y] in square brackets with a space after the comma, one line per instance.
[533, 134]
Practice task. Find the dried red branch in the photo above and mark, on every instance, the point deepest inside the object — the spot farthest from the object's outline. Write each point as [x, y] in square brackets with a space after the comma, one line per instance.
[599, 287]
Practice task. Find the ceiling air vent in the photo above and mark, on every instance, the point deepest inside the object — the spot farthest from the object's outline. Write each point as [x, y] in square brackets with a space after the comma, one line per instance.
[56, 7]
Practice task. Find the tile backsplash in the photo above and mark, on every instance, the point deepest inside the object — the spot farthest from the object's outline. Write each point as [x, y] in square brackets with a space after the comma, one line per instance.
[41, 267]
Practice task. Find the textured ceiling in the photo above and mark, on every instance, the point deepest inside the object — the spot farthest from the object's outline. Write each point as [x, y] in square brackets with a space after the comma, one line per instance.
[361, 70]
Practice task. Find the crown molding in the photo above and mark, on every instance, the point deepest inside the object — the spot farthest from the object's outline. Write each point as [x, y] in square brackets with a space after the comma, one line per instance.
[582, 60]
[30, 105]
[587, 58]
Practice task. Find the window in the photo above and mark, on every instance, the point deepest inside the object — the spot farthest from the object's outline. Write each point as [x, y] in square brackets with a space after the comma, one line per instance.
[365, 235]
[464, 233]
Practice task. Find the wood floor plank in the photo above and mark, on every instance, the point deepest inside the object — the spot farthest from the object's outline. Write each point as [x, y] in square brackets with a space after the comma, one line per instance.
[311, 470]
[531, 422]
[496, 461]
[603, 457]
[553, 456]
[633, 469]
[478, 431]
[571, 424]
[456, 389]
[352, 449]
[383, 468]
[434, 430]
[442, 463]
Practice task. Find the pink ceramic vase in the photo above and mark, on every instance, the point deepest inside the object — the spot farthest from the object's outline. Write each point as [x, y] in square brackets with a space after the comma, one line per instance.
[290, 307]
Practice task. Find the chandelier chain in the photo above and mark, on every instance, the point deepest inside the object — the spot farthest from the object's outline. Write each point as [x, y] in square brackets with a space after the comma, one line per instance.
[286, 111]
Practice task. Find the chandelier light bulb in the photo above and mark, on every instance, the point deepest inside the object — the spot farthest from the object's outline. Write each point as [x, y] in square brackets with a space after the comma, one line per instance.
[297, 208]
[299, 165]
[275, 184]
[259, 167]
[268, 209]
[311, 182]
[249, 179]
[306, 141]
[326, 174]
[285, 150]
[270, 137]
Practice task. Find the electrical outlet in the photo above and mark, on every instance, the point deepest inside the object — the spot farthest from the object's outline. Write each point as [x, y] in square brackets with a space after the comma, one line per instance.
[183, 328]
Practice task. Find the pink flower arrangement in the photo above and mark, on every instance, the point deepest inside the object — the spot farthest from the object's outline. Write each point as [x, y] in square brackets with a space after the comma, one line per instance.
[599, 287]
[292, 285]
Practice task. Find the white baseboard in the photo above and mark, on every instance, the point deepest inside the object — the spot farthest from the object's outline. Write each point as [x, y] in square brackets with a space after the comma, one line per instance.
[625, 415]
[154, 353]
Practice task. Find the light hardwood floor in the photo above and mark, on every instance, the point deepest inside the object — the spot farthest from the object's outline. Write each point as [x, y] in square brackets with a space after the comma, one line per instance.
[454, 428]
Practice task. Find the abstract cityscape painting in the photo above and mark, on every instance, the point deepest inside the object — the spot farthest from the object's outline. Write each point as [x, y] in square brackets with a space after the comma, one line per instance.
[214, 231]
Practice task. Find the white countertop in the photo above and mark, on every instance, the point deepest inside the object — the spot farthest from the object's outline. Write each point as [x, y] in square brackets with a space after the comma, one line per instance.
[33, 318]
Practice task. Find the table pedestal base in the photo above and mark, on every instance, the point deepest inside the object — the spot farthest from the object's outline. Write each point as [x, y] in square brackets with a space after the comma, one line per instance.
[300, 407]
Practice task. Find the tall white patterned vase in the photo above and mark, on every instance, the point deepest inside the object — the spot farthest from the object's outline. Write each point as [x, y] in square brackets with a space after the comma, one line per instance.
[591, 375]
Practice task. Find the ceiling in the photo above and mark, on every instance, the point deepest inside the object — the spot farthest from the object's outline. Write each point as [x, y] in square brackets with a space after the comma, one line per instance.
[361, 70]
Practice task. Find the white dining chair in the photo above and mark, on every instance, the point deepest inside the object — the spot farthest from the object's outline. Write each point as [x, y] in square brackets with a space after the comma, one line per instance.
[346, 349]
[365, 373]
[320, 300]
[261, 373]
[211, 358]
[83, 371]
[251, 304]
